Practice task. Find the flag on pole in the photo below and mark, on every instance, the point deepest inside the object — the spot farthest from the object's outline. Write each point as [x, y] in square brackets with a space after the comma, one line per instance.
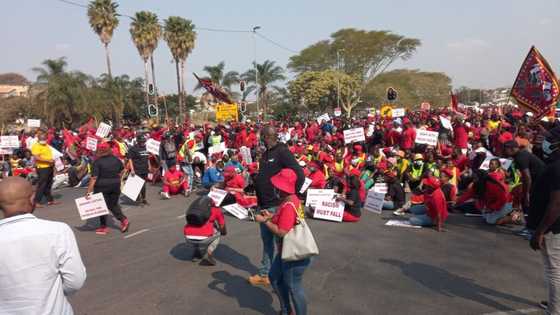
[214, 89]
[536, 87]
[454, 102]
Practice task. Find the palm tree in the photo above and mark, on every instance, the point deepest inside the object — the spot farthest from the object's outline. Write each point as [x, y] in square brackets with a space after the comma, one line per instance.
[219, 76]
[146, 32]
[265, 75]
[180, 37]
[103, 20]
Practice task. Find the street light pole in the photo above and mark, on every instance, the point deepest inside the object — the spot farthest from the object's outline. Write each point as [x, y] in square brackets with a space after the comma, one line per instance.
[255, 65]
[338, 79]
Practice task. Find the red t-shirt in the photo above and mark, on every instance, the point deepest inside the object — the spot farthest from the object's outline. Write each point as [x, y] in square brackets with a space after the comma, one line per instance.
[461, 136]
[436, 204]
[285, 217]
[208, 228]
[236, 182]
[318, 180]
[173, 177]
[407, 139]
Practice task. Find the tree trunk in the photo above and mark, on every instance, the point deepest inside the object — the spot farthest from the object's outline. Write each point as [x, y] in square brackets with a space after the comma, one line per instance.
[179, 88]
[154, 81]
[108, 61]
[187, 112]
[146, 83]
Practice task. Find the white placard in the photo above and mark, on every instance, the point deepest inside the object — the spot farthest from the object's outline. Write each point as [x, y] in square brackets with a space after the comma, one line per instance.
[133, 186]
[402, 223]
[237, 211]
[325, 117]
[370, 130]
[152, 146]
[315, 196]
[332, 210]
[34, 123]
[445, 123]
[4, 151]
[9, 142]
[426, 137]
[374, 202]
[380, 188]
[217, 195]
[217, 148]
[305, 185]
[91, 144]
[354, 135]
[55, 153]
[337, 112]
[58, 164]
[506, 163]
[246, 154]
[93, 207]
[103, 130]
[398, 112]
[29, 142]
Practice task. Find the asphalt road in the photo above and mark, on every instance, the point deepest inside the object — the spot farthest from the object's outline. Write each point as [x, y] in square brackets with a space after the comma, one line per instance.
[363, 268]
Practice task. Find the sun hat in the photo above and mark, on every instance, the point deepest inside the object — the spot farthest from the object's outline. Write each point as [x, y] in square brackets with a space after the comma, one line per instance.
[285, 180]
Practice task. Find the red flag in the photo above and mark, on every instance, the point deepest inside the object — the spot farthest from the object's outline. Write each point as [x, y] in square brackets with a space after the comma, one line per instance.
[536, 87]
[214, 89]
[454, 102]
[87, 126]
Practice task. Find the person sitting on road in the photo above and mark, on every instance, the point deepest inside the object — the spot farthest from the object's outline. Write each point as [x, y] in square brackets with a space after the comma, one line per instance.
[174, 182]
[352, 201]
[213, 175]
[434, 210]
[395, 197]
[205, 225]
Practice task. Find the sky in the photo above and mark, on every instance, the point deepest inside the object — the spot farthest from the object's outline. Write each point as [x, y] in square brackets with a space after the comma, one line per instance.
[478, 43]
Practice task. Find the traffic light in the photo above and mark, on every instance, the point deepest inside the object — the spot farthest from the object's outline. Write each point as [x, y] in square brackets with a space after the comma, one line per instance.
[151, 89]
[391, 94]
[242, 86]
[152, 110]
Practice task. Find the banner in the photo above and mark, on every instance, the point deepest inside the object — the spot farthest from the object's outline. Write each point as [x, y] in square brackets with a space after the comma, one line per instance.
[93, 207]
[426, 137]
[237, 211]
[217, 91]
[218, 148]
[329, 210]
[337, 112]
[9, 142]
[103, 130]
[226, 112]
[374, 202]
[34, 123]
[152, 146]
[536, 86]
[380, 188]
[246, 154]
[398, 112]
[354, 135]
[314, 196]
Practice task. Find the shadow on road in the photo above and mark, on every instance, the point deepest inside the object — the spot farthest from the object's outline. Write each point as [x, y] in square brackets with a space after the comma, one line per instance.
[443, 282]
[230, 256]
[247, 296]
[182, 252]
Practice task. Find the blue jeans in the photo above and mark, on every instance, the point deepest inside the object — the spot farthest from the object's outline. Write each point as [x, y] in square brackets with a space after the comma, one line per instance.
[420, 218]
[286, 279]
[187, 168]
[268, 247]
[388, 205]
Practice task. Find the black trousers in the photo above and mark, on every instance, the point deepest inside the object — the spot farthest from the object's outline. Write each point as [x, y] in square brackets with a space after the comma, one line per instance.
[44, 184]
[111, 195]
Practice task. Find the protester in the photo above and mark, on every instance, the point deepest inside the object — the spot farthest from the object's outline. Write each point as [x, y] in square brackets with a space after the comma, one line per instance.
[213, 175]
[40, 259]
[138, 164]
[174, 182]
[44, 163]
[434, 211]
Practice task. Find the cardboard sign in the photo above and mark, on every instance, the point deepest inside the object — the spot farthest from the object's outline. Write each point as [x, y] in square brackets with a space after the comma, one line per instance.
[305, 185]
[445, 123]
[55, 153]
[398, 112]
[402, 223]
[226, 112]
[370, 130]
[103, 130]
[217, 195]
[4, 151]
[34, 123]
[505, 163]
[91, 144]
[315, 196]
[218, 148]
[380, 188]
[93, 207]
[354, 135]
[329, 210]
[9, 142]
[58, 164]
[152, 146]
[337, 112]
[133, 186]
[426, 137]
[324, 117]
[425, 106]
[374, 202]
[237, 211]
[246, 154]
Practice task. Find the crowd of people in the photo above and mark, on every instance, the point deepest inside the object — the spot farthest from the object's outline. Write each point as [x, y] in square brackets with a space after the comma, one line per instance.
[488, 163]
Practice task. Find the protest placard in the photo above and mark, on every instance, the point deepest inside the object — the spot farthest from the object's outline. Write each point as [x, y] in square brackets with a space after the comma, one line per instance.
[325, 117]
[505, 163]
[402, 223]
[380, 188]
[217, 195]
[152, 146]
[226, 112]
[354, 135]
[371, 130]
[332, 210]
[103, 130]
[133, 186]
[398, 112]
[337, 112]
[305, 185]
[374, 202]
[55, 153]
[4, 151]
[217, 148]
[34, 123]
[9, 142]
[91, 143]
[446, 123]
[317, 195]
[237, 211]
[246, 154]
[58, 164]
[426, 137]
[92, 207]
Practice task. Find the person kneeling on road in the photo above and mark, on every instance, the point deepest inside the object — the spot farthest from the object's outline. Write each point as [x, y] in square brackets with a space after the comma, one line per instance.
[205, 225]
[174, 182]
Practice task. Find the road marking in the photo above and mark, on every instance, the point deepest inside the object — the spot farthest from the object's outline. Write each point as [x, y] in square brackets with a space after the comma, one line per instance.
[516, 312]
[182, 216]
[136, 233]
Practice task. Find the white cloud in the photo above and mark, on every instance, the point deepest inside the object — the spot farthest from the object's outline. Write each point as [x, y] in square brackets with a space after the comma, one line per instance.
[62, 47]
[545, 21]
[468, 44]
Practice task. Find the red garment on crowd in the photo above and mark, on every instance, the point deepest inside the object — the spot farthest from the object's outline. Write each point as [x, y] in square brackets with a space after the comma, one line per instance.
[173, 178]
[495, 196]
[436, 205]
[285, 217]
[461, 136]
[208, 228]
[318, 180]
[461, 162]
[407, 139]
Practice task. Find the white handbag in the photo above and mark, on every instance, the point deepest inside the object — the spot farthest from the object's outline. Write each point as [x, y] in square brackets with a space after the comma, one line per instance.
[298, 243]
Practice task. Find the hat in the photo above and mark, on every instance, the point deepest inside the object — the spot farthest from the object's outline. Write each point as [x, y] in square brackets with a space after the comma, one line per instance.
[418, 156]
[285, 180]
[313, 164]
[431, 181]
[357, 148]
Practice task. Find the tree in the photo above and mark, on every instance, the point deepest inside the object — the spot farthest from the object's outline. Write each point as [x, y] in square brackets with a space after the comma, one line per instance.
[13, 79]
[145, 32]
[362, 54]
[413, 86]
[180, 37]
[218, 75]
[103, 20]
[263, 78]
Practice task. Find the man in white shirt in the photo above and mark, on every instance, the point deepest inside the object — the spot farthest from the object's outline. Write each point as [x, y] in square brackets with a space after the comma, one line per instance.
[40, 263]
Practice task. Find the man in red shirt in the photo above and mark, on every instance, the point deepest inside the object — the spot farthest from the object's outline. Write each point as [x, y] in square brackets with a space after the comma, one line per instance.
[408, 137]
[174, 182]
[318, 180]
[461, 135]
[205, 237]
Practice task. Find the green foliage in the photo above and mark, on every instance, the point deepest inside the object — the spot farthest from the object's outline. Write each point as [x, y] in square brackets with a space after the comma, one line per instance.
[180, 37]
[103, 19]
[13, 79]
[262, 77]
[145, 32]
[224, 79]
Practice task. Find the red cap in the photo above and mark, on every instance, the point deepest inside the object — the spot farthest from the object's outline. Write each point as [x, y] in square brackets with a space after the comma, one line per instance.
[285, 180]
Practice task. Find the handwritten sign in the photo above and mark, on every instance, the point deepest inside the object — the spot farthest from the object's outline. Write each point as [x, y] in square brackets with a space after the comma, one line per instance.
[91, 144]
[380, 188]
[34, 123]
[93, 207]
[217, 195]
[325, 117]
[329, 210]
[398, 112]
[103, 130]
[152, 146]
[9, 142]
[374, 201]
[354, 135]
[246, 154]
[217, 148]
[426, 137]
[315, 196]
[133, 186]
[445, 123]
[337, 112]
[237, 211]
[305, 185]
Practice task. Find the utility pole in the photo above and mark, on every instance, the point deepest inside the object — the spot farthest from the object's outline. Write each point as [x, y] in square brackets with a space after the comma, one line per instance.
[338, 79]
[255, 66]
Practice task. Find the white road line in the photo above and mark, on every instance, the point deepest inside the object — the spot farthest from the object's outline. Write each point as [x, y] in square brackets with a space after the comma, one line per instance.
[516, 312]
[137, 233]
[182, 216]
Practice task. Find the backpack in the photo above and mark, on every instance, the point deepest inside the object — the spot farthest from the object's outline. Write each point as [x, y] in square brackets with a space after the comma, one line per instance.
[170, 149]
[199, 211]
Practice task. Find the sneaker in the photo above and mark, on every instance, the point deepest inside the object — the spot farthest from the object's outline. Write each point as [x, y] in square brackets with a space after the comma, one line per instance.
[124, 225]
[259, 280]
[102, 230]
[208, 259]
[145, 202]
[543, 305]
[399, 212]
[523, 232]
[165, 195]
[187, 194]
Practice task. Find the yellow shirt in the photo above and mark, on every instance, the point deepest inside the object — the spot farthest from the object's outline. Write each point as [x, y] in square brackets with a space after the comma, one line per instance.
[43, 152]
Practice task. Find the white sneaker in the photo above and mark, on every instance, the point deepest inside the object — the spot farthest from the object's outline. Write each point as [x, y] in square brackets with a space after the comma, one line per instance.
[165, 195]
[399, 212]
